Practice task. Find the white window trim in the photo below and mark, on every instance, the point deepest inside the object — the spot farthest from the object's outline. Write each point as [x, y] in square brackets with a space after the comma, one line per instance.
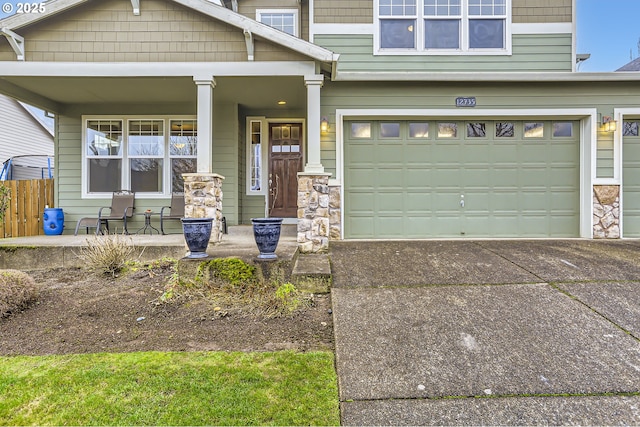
[464, 38]
[294, 12]
[263, 156]
[166, 178]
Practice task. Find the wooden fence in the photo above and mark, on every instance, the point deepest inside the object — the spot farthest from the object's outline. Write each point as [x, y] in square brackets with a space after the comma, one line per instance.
[24, 215]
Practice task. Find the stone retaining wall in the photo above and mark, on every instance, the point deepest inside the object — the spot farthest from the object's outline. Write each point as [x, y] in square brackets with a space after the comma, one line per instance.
[203, 199]
[606, 212]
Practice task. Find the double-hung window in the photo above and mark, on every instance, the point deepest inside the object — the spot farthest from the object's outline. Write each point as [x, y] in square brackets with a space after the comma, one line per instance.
[145, 155]
[285, 20]
[443, 26]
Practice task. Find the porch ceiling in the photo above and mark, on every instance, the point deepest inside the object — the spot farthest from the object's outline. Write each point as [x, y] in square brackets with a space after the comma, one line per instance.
[57, 93]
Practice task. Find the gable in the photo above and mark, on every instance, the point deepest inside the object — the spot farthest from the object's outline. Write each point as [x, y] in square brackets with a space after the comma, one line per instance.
[165, 31]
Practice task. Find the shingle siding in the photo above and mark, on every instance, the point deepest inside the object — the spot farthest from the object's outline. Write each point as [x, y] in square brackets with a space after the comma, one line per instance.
[541, 11]
[163, 32]
[343, 12]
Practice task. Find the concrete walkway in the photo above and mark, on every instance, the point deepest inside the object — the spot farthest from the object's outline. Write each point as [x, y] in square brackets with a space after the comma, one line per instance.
[488, 332]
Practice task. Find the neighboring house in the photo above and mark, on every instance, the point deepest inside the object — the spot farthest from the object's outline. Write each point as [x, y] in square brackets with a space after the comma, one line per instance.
[26, 140]
[631, 66]
[363, 118]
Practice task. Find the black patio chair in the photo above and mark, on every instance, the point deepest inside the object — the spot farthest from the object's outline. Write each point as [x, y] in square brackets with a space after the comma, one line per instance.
[175, 211]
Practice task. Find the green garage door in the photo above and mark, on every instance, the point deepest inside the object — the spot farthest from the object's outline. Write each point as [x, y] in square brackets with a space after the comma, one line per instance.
[631, 179]
[420, 179]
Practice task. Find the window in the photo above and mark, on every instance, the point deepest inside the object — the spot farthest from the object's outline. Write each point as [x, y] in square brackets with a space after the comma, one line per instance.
[132, 154]
[419, 130]
[630, 128]
[360, 130]
[476, 130]
[183, 145]
[146, 152]
[562, 129]
[534, 130]
[389, 130]
[447, 130]
[255, 155]
[285, 20]
[434, 26]
[505, 130]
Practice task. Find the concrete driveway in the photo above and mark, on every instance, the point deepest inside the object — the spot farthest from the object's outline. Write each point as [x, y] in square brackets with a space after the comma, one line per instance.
[487, 332]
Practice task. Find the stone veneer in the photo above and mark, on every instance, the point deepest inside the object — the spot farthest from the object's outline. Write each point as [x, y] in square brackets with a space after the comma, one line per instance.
[203, 199]
[606, 211]
[317, 216]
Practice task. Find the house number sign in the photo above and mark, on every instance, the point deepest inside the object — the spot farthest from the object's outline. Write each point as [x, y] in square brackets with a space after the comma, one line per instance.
[467, 101]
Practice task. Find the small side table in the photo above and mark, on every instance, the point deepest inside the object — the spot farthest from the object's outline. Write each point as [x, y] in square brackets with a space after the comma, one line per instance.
[147, 223]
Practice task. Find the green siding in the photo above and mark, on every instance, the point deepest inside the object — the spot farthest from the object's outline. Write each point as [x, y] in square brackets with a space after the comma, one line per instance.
[529, 53]
[604, 97]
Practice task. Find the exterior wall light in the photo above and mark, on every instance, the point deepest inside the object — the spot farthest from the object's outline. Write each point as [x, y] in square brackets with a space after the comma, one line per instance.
[324, 125]
[608, 124]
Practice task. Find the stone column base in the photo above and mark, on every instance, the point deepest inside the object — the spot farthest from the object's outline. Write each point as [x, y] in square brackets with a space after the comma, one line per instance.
[313, 212]
[606, 211]
[203, 199]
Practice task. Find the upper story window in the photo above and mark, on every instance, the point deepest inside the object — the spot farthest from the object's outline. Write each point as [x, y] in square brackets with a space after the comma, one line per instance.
[285, 20]
[443, 26]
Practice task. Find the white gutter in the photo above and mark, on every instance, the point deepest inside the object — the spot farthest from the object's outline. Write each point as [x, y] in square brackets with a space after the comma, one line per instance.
[487, 77]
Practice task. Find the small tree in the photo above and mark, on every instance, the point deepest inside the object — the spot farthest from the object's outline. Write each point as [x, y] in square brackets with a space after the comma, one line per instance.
[5, 196]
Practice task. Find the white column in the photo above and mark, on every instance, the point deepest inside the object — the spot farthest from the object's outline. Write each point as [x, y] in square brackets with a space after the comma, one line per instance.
[205, 123]
[313, 84]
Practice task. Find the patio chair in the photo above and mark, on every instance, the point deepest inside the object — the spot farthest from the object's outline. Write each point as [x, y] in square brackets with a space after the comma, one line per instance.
[120, 210]
[175, 211]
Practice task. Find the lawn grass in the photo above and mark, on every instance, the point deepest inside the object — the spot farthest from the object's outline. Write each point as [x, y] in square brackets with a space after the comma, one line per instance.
[155, 388]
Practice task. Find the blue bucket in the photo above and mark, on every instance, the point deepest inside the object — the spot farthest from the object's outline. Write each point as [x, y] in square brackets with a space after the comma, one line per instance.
[53, 221]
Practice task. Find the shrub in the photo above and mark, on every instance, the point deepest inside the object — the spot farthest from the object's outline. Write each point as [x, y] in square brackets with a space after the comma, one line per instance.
[17, 291]
[107, 254]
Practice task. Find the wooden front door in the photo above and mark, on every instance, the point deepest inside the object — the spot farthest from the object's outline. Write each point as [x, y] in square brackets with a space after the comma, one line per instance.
[285, 161]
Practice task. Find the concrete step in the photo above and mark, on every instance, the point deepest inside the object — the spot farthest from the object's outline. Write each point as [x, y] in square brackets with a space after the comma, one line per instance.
[312, 273]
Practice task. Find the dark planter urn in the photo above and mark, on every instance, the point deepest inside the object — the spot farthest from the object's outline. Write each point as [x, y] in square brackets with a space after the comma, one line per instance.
[266, 231]
[197, 232]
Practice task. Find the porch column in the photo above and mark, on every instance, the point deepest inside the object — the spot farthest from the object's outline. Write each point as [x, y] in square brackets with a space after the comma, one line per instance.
[313, 84]
[205, 123]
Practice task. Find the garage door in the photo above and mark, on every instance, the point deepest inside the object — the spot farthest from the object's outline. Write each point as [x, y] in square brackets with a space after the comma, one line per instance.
[501, 178]
[631, 179]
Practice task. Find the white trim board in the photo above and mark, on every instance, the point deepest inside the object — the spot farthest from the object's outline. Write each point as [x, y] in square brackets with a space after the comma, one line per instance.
[544, 28]
[618, 139]
[200, 70]
[588, 142]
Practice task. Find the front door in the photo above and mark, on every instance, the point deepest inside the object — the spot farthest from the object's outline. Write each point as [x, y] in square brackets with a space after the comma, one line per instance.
[285, 161]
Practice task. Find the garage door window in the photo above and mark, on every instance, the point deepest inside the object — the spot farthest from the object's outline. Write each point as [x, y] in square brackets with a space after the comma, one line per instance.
[419, 130]
[562, 130]
[389, 130]
[534, 130]
[476, 130]
[360, 130]
[630, 128]
[505, 130]
[447, 130]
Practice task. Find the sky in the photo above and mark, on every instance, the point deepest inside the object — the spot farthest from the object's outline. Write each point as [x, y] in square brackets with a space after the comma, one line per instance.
[609, 30]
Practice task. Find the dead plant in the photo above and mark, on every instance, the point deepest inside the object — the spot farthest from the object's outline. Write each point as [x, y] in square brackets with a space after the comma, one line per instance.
[108, 254]
[17, 291]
